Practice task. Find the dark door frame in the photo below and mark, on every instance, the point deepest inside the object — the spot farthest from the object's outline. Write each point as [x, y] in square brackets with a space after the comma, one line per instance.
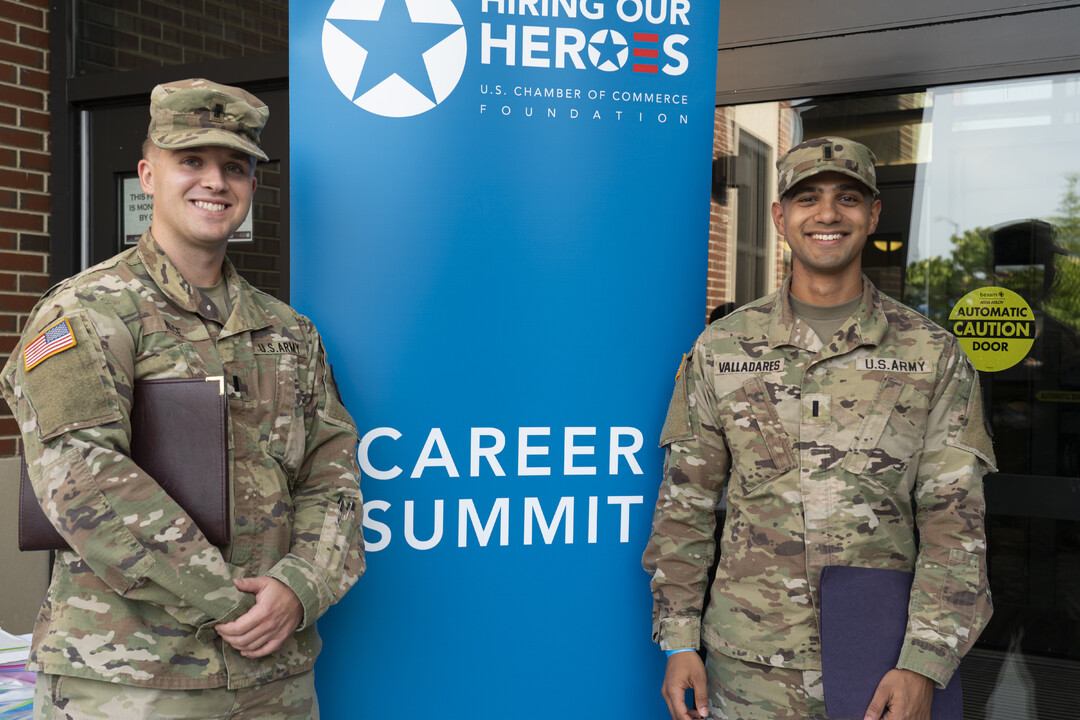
[770, 50]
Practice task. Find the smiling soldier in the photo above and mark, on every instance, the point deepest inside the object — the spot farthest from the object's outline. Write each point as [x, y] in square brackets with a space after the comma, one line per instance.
[144, 617]
[838, 421]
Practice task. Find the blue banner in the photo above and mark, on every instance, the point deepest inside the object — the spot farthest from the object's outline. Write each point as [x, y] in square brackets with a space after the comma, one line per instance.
[500, 225]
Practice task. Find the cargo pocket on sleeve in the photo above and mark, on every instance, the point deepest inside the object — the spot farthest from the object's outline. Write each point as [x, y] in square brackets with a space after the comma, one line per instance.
[339, 531]
[959, 596]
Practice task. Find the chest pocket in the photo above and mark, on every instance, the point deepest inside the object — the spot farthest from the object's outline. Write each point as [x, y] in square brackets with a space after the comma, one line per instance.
[761, 450]
[281, 410]
[890, 439]
[167, 351]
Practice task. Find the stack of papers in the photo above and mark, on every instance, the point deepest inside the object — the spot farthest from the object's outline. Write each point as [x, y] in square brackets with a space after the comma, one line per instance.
[16, 684]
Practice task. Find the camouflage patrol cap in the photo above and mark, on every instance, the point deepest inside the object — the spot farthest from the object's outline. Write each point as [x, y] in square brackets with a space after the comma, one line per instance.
[196, 112]
[826, 154]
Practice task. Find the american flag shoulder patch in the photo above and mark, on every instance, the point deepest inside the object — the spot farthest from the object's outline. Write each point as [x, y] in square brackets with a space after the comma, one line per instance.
[55, 339]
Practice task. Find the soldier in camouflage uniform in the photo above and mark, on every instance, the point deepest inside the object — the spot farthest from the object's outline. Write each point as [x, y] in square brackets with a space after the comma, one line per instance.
[838, 421]
[143, 611]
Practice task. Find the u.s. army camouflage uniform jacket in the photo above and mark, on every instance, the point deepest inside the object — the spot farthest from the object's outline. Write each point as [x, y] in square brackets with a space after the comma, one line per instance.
[832, 454]
[137, 599]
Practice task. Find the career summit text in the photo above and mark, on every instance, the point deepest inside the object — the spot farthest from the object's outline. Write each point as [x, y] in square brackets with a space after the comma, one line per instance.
[525, 511]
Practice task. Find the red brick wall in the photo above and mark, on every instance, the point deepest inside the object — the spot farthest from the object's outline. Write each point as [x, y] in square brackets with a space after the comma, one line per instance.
[132, 34]
[718, 285]
[24, 176]
[260, 261]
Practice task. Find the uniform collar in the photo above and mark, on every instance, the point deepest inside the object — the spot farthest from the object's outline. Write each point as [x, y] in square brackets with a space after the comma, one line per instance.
[247, 315]
[867, 325]
[164, 274]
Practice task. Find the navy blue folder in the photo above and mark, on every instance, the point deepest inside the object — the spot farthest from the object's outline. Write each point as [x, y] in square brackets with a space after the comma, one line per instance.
[863, 620]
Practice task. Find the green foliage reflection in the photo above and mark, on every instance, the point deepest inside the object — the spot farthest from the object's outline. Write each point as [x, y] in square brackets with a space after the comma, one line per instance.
[934, 285]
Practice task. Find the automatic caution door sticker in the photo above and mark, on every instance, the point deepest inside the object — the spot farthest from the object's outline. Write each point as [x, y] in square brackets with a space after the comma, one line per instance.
[995, 327]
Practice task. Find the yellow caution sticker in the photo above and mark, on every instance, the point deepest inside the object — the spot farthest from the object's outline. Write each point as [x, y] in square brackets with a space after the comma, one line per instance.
[995, 326]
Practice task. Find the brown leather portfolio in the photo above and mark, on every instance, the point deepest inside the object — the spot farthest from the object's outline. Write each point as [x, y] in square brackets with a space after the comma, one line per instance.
[179, 437]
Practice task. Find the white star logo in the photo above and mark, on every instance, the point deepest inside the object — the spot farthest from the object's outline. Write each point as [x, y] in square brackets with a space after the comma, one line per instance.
[395, 58]
[608, 50]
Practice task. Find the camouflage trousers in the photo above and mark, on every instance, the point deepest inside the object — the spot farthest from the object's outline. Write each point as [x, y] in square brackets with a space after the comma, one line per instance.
[741, 690]
[62, 697]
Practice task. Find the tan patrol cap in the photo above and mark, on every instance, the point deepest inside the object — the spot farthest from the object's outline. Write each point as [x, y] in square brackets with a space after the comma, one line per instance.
[826, 154]
[197, 112]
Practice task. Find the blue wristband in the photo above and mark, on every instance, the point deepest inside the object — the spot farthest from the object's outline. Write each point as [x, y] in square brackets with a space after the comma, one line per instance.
[672, 652]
